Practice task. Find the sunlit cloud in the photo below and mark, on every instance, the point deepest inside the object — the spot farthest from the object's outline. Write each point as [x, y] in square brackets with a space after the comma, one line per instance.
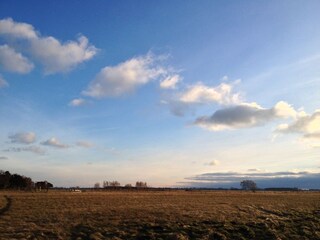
[54, 142]
[170, 82]
[126, 77]
[48, 51]
[77, 102]
[200, 93]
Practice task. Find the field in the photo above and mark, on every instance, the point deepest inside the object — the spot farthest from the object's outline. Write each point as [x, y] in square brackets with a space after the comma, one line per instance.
[160, 215]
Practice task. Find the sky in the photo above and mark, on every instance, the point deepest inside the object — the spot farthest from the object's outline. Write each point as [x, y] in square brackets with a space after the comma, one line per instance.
[173, 93]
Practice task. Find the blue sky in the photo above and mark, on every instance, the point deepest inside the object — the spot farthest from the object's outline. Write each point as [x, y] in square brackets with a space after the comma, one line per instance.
[166, 92]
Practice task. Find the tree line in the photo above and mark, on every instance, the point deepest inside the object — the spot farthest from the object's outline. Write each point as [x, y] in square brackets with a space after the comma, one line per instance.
[20, 182]
[114, 184]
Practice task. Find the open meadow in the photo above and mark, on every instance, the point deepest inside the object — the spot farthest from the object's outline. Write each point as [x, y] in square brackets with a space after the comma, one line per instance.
[160, 215]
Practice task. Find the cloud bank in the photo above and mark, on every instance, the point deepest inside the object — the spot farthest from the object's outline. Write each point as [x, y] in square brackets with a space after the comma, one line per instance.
[302, 179]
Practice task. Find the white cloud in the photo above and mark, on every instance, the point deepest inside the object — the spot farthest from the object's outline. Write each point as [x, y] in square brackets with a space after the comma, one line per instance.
[245, 115]
[114, 81]
[23, 137]
[170, 82]
[305, 124]
[50, 52]
[61, 57]
[17, 30]
[77, 102]
[200, 93]
[84, 144]
[3, 82]
[53, 142]
[12, 61]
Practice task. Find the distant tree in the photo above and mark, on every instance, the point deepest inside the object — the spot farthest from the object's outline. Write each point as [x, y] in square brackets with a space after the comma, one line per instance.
[105, 184]
[96, 185]
[128, 185]
[114, 184]
[248, 185]
[141, 184]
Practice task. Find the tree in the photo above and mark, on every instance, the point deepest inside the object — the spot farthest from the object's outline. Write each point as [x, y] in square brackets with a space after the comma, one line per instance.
[114, 184]
[96, 185]
[248, 185]
[141, 185]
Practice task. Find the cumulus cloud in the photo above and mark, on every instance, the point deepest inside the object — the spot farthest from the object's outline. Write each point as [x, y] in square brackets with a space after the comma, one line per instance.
[23, 137]
[54, 55]
[170, 82]
[12, 61]
[17, 30]
[54, 142]
[200, 93]
[77, 102]
[306, 124]
[84, 144]
[61, 57]
[3, 82]
[245, 115]
[34, 149]
[114, 81]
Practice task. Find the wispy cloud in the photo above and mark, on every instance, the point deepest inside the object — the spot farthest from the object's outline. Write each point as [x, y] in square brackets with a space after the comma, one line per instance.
[3, 158]
[3, 82]
[54, 142]
[213, 163]
[77, 102]
[23, 137]
[170, 82]
[50, 52]
[124, 78]
[34, 149]
[84, 144]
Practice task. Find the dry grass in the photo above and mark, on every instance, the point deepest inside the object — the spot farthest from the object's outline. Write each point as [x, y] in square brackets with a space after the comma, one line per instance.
[160, 215]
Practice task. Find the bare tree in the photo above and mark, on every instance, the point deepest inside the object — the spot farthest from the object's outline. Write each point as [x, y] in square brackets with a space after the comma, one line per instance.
[141, 185]
[128, 185]
[96, 185]
[248, 185]
[114, 184]
[105, 184]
